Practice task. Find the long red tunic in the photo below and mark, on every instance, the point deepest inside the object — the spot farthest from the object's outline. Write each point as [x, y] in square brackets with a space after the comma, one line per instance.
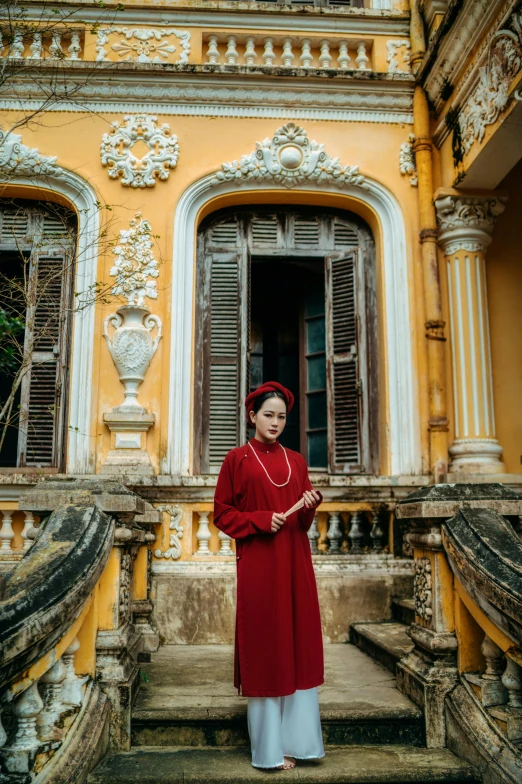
[279, 645]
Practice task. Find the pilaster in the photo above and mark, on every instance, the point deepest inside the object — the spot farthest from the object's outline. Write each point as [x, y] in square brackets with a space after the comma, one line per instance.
[465, 231]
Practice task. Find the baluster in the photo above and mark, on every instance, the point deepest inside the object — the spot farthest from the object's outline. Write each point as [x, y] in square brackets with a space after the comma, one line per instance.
[231, 53]
[268, 53]
[493, 656]
[306, 54]
[75, 47]
[3, 733]
[512, 682]
[325, 58]
[203, 534]
[213, 51]
[314, 536]
[356, 534]
[36, 47]
[6, 532]
[17, 47]
[362, 58]
[72, 692]
[377, 532]
[19, 756]
[225, 548]
[53, 706]
[250, 51]
[334, 534]
[287, 56]
[28, 524]
[343, 60]
[55, 47]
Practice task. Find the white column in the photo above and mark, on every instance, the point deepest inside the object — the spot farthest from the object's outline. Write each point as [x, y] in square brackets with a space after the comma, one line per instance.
[6, 532]
[465, 229]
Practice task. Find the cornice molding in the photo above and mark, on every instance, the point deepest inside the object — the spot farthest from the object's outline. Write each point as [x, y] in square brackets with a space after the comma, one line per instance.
[387, 100]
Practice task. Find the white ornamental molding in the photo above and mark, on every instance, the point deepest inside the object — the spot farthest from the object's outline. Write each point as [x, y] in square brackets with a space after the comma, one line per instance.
[116, 151]
[407, 164]
[135, 268]
[176, 532]
[422, 588]
[289, 159]
[16, 159]
[392, 59]
[466, 222]
[491, 95]
[143, 45]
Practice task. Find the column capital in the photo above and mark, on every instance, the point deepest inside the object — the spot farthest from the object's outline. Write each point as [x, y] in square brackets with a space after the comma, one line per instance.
[466, 221]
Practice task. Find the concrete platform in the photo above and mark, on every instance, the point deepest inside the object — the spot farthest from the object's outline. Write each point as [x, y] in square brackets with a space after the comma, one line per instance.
[342, 765]
[188, 699]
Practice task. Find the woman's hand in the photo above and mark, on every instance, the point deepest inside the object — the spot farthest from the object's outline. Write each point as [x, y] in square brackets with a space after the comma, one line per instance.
[277, 522]
[311, 499]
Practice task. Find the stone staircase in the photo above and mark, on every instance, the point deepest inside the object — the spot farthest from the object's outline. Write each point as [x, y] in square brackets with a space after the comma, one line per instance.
[189, 726]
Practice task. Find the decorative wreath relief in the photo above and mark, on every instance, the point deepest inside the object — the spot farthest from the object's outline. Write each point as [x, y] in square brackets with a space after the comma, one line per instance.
[135, 265]
[289, 159]
[116, 151]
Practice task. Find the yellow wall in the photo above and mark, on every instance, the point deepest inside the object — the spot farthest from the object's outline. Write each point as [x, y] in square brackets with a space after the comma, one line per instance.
[504, 280]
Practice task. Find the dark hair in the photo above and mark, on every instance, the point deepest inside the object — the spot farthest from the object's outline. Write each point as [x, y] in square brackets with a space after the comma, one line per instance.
[258, 402]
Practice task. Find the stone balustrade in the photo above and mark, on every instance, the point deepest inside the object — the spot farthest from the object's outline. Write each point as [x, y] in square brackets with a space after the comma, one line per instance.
[288, 52]
[356, 532]
[49, 43]
[16, 531]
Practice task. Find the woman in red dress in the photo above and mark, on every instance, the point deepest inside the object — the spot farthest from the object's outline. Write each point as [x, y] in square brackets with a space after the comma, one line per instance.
[278, 650]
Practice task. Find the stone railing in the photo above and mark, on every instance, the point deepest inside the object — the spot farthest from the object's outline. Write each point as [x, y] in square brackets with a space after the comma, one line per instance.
[338, 529]
[74, 621]
[465, 667]
[255, 51]
[16, 530]
[51, 43]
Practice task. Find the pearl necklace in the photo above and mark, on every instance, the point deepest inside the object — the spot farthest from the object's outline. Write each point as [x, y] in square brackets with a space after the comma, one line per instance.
[266, 472]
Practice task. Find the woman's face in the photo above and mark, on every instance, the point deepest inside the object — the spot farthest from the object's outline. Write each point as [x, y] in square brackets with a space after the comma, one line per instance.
[270, 420]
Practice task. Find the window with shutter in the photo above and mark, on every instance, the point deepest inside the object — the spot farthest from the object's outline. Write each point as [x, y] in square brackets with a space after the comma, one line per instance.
[40, 242]
[313, 328]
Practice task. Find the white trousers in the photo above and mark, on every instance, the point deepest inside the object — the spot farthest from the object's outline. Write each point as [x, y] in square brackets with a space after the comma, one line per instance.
[284, 727]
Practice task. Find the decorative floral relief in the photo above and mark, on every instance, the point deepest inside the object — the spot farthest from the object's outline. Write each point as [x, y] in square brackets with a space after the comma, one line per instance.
[116, 151]
[391, 58]
[125, 584]
[18, 159]
[407, 160]
[175, 513]
[289, 158]
[422, 588]
[135, 268]
[490, 97]
[143, 45]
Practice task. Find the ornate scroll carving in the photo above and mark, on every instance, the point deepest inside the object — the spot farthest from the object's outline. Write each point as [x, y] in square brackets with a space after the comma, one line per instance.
[143, 45]
[176, 532]
[407, 163]
[391, 58]
[116, 151]
[289, 159]
[18, 159]
[467, 221]
[422, 588]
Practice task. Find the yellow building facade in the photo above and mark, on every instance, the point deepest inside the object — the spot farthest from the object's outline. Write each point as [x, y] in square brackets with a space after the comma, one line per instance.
[327, 194]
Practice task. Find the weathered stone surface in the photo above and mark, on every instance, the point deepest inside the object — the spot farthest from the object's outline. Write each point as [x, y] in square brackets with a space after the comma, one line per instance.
[385, 642]
[485, 554]
[108, 495]
[191, 609]
[445, 500]
[46, 591]
[345, 765]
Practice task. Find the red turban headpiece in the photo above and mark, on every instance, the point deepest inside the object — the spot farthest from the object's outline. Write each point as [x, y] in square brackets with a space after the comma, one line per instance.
[269, 386]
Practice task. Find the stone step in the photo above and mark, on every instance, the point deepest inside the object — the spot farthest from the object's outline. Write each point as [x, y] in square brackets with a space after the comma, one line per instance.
[342, 765]
[386, 641]
[187, 699]
[403, 611]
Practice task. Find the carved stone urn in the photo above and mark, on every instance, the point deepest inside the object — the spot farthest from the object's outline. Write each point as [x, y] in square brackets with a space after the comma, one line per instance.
[132, 348]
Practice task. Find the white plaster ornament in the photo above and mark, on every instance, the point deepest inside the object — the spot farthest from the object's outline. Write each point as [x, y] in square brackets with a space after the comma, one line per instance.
[116, 151]
[407, 164]
[393, 48]
[289, 159]
[17, 159]
[143, 45]
[176, 532]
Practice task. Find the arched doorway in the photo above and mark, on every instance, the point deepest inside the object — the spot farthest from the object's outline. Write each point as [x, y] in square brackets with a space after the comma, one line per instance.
[288, 293]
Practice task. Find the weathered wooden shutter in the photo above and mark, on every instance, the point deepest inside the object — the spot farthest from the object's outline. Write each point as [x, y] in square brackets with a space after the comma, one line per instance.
[342, 361]
[226, 324]
[42, 406]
